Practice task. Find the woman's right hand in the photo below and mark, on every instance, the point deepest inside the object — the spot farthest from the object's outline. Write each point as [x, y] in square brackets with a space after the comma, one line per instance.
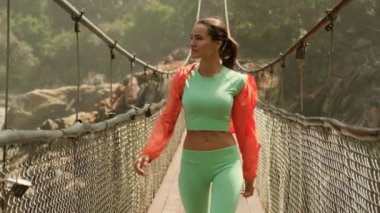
[248, 189]
[141, 163]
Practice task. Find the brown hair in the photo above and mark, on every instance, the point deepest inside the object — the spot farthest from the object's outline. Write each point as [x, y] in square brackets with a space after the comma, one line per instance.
[217, 30]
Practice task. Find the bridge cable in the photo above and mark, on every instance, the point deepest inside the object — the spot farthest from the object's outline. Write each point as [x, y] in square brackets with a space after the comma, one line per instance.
[300, 57]
[77, 30]
[300, 46]
[112, 57]
[283, 67]
[226, 17]
[131, 69]
[311, 32]
[196, 19]
[240, 67]
[4, 202]
[69, 8]
[330, 28]
[76, 20]
[5, 126]
[331, 51]
[271, 72]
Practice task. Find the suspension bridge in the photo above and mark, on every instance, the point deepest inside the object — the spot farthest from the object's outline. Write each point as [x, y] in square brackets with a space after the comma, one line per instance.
[307, 164]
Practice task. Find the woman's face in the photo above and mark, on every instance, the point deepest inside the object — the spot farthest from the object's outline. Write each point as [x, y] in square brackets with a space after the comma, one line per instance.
[201, 44]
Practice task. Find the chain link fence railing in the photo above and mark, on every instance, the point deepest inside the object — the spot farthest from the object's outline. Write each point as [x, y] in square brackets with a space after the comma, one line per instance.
[309, 167]
[92, 172]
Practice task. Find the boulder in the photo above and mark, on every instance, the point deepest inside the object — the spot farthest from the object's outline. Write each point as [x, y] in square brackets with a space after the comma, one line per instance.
[31, 110]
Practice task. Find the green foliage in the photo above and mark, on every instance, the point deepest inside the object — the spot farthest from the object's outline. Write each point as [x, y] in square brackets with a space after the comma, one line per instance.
[43, 41]
[153, 30]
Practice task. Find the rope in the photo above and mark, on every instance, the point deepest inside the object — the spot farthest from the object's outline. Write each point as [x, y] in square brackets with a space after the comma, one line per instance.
[309, 34]
[331, 49]
[271, 73]
[77, 30]
[300, 56]
[240, 67]
[189, 53]
[5, 126]
[283, 66]
[4, 203]
[199, 9]
[301, 67]
[330, 28]
[132, 66]
[112, 57]
[69, 8]
[78, 79]
[226, 17]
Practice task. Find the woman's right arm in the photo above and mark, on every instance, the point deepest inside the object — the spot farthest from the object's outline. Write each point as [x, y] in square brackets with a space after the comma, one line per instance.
[164, 126]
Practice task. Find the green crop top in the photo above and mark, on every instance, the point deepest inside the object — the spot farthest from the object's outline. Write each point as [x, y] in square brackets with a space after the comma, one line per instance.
[207, 101]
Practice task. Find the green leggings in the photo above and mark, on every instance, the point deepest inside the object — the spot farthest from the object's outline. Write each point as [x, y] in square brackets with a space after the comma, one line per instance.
[222, 168]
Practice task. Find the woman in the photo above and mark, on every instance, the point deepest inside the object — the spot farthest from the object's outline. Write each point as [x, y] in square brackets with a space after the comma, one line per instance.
[217, 102]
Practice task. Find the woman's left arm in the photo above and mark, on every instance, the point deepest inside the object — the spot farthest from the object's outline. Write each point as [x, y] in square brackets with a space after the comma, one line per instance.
[244, 124]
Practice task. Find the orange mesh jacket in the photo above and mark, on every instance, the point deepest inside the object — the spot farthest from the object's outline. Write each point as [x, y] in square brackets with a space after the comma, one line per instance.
[242, 122]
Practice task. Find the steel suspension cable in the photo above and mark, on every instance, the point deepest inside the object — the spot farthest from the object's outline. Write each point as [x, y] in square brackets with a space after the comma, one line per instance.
[331, 50]
[131, 69]
[327, 19]
[77, 30]
[300, 57]
[283, 68]
[74, 12]
[226, 17]
[5, 126]
[75, 150]
[301, 66]
[197, 18]
[240, 67]
[78, 79]
[330, 28]
[112, 57]
[199, 9]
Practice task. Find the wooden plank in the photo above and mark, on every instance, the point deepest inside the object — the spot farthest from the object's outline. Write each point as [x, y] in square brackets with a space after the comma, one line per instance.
[167, 197]
[250, 205]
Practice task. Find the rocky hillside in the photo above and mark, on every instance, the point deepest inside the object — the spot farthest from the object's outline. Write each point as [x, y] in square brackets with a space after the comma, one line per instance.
[56, 108]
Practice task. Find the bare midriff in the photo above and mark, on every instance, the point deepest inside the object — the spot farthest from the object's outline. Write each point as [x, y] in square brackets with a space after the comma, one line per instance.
[208, 140]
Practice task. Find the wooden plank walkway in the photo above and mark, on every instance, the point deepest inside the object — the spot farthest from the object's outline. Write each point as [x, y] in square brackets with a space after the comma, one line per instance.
[167, 199]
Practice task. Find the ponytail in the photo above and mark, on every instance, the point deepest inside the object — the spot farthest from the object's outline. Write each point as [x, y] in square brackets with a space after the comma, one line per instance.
[229, 49]
[228, 52]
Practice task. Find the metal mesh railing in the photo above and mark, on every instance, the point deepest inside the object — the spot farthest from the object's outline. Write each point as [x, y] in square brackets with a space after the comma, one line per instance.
[316, 168]
[89, 173]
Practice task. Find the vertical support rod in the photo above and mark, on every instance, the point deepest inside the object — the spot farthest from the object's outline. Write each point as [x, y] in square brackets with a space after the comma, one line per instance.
[300, 57]
[301, 67]
[77, 30]
[111, 76]
[111, 113]
[5, 126]
[226, 17]
[132, 66]
[331, 51]
[283, 66]
[3, 203]
[78, 79]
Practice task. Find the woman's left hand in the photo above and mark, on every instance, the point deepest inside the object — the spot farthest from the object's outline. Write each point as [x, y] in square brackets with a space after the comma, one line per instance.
[248, 189]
